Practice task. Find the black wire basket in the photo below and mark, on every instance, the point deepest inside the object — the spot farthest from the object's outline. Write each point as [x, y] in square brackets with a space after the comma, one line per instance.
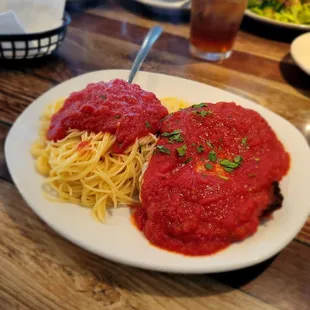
[34, 45]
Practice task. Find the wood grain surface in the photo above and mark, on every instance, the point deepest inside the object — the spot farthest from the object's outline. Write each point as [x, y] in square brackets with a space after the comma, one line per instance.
[41, 270]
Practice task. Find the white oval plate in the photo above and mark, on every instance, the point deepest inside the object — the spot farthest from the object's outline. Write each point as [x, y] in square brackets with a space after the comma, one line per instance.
[270, 21]
[118, 239]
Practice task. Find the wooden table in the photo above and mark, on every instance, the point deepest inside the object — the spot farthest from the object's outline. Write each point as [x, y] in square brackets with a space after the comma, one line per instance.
[41, 270]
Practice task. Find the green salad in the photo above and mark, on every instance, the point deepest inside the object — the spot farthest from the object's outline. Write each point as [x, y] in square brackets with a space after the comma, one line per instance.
[290, 11]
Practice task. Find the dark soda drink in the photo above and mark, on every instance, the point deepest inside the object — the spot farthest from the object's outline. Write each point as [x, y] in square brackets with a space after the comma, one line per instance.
[214, 26]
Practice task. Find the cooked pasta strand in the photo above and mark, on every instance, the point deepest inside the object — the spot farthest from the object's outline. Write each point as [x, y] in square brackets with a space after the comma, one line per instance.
[89, 174]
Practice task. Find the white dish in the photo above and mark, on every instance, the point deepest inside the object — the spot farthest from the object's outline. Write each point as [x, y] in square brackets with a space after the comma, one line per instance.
[118, 239]
[300, 51]
[167, 5]
[270, 21]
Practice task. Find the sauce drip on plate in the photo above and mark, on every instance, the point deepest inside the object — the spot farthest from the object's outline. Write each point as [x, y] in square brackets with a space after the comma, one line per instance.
[211, 178]
[117, 107]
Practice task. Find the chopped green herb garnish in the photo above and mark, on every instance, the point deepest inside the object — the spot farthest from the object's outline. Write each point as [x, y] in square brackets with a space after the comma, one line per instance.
[193, 144]
[209, 166]
[200, 105]
[117, 116]
[228, 164]
[238, 159]
[148, 125]
[182, 150]
[252, 175]
[200, 149]
[223, 177]
[188, 160]
[228, 169]
[163, 149]
[244, 141]
[174, 136]
[169, 134]
[209, 144]
[104, 97]
[212, 156]
[203, 113]
[220, 148]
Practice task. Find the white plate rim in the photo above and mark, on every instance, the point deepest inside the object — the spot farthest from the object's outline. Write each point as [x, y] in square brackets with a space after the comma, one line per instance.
[9, 143]
[158, 4]
[274, 22]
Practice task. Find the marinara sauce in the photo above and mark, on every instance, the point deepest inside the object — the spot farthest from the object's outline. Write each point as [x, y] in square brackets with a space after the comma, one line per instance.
[210, 178]
[117, 107]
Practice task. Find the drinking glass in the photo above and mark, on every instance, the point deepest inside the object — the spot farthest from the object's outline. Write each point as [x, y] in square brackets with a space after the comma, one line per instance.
[214, 26]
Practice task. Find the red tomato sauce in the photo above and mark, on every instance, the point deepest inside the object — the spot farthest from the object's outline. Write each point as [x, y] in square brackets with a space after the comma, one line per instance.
[192, 202]
[117, 107]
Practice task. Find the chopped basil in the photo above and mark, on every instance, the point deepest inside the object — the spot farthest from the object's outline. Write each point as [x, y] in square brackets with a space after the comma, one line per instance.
[169, 134]
[228, 169]
[228, 164]
[223, 177]
[200, 149]
[209, 144]
[117, 116]
[148, 125]
[238, 159]
[188, 160]
[209, 166]
[162, 149]
[104, 97]
[212, 156]
[182, 150]
[200, 105]
[174, 136]
[244, 141]
[203, 113]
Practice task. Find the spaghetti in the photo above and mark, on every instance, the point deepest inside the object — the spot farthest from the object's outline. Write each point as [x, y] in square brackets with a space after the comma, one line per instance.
[92, 147]
[82, 169]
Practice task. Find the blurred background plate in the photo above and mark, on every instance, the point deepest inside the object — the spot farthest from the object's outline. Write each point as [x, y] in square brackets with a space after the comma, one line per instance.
[274, 22]
[167, 4]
